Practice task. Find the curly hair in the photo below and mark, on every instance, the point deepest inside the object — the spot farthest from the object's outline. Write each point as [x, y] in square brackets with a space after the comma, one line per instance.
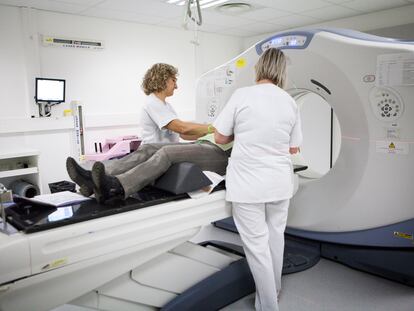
[155, 79]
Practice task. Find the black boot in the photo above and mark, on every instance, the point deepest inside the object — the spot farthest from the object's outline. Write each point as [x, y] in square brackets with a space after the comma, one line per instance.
[80, 176]
[105, 186]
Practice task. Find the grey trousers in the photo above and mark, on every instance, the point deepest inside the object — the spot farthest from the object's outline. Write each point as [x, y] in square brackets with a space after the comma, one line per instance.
[150, 161]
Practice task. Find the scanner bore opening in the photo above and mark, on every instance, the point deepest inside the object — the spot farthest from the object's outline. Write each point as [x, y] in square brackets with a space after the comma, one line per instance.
[321, 134]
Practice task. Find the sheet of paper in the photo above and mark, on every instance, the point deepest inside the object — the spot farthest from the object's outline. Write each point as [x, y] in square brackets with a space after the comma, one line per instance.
[215, 179]
[60, 198]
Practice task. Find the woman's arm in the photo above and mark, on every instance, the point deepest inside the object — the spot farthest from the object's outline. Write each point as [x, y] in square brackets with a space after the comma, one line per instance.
[195, 130]
[189, 137]
[221, 139]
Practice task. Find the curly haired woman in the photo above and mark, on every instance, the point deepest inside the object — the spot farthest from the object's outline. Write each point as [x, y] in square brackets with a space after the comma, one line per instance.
[158, 118]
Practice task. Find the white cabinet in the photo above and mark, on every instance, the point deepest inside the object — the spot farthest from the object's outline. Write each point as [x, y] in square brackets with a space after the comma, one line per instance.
[20, 165]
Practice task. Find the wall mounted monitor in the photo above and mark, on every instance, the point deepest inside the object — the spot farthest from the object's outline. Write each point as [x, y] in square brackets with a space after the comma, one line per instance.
[50, 90]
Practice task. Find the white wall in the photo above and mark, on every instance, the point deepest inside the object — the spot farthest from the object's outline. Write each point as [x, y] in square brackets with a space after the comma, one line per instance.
[106, 82]
[13, 94]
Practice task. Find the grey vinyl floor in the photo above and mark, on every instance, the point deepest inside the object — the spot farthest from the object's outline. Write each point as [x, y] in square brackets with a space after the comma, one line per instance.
[328, 286]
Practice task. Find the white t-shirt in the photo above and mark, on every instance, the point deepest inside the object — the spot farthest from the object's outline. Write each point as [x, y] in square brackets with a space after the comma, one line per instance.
[155, 115]
[265, 122]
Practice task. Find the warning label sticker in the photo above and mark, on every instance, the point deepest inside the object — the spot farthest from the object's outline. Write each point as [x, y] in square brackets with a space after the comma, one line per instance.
[392, 147]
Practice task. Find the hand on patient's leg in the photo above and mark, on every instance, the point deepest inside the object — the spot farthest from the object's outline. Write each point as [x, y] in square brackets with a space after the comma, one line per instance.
[105, 186]
[80, 176]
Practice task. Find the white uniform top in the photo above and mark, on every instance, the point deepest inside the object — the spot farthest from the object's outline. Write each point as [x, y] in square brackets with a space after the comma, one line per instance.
[155, 115]
[265, 122]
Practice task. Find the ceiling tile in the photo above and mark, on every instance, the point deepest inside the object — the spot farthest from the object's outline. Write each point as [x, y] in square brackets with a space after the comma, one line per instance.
[263, 14]
[122, 15]
[28, 3]
[79, 2]
[337, 1]
[373, 5]
[294, 6]
[151, 7]
[212, 17]
[332, 12]
[54, 6]
[43, 3]
[294, 20]
[60, 7]
[190, 26]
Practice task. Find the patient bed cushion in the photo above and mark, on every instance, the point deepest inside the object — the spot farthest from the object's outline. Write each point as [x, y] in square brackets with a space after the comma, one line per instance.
[182, 178]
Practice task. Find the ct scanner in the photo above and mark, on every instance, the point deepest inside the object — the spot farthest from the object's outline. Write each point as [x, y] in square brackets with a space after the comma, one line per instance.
[134, 255]
[356, 196]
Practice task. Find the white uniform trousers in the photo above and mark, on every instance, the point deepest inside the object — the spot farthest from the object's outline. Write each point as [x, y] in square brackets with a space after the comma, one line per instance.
[261, 227]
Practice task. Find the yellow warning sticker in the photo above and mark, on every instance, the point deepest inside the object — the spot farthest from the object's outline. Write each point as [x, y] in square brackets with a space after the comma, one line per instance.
[403, 235]
[241, 62]
[392, 147]
[56, 263]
